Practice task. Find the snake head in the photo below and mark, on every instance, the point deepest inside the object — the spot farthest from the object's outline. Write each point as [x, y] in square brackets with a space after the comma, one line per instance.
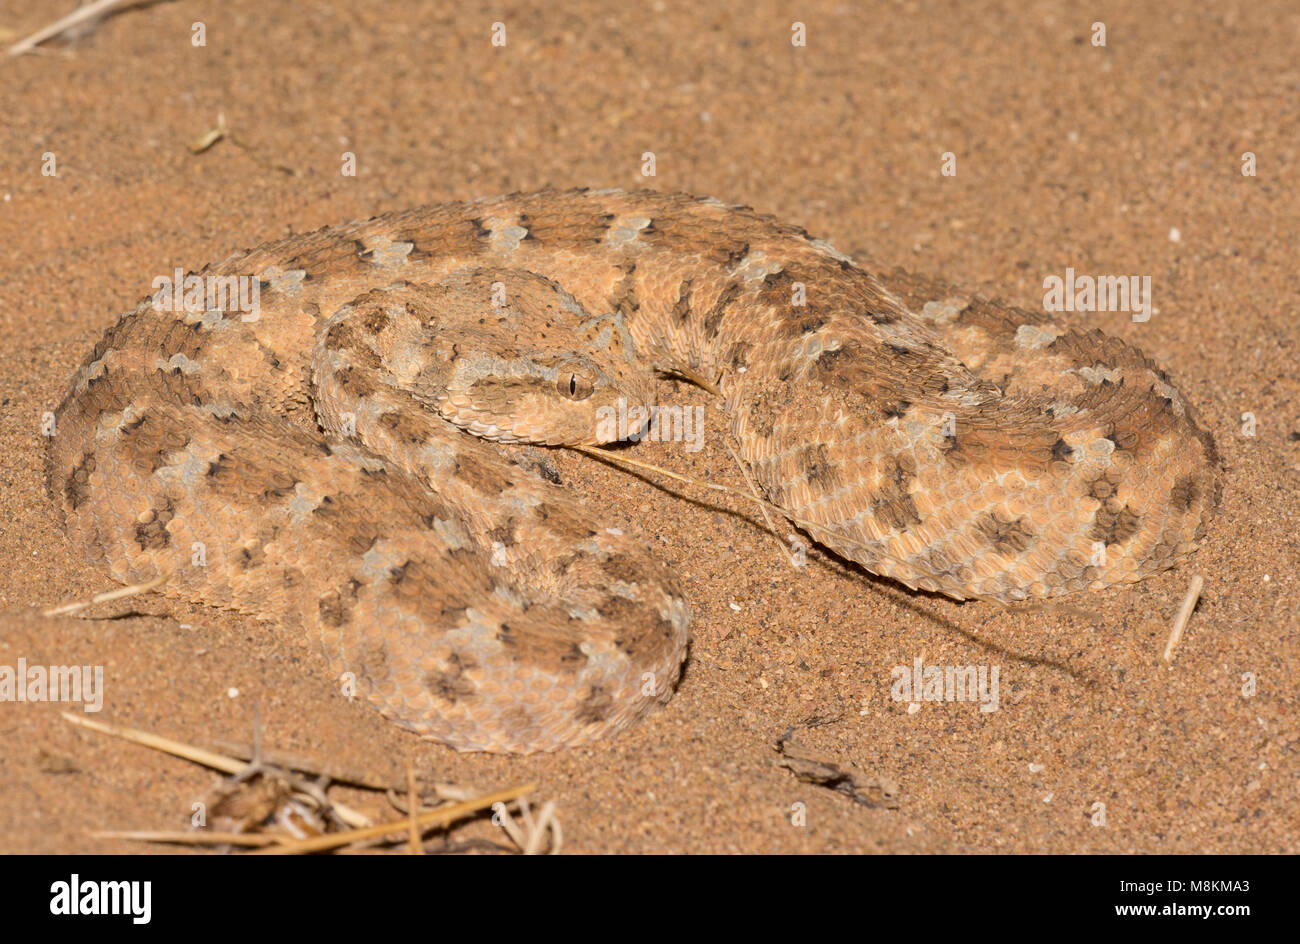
[546, 397]
[535, 366]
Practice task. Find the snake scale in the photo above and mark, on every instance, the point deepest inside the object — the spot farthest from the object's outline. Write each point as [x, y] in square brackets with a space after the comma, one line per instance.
[328, 463]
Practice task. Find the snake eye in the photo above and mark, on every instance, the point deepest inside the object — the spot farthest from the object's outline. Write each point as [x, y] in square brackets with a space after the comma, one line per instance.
[575, 382]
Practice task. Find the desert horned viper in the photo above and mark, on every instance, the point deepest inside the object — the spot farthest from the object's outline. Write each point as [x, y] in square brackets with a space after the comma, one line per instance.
[325, 463]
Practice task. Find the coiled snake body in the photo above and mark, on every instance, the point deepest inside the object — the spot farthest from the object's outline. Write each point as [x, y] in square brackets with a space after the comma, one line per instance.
[323, 462]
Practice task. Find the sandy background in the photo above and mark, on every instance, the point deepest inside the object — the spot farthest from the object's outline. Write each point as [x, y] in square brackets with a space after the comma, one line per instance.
[1067, 155]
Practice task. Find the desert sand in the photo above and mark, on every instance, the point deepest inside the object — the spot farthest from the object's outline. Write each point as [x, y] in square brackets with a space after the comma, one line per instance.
[1119, 159]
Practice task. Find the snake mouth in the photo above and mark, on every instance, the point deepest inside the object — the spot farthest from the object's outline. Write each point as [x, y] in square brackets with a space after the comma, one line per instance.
[622, 421]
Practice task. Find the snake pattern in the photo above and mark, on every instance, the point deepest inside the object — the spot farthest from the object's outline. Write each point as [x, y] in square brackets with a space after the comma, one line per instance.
[327, 462]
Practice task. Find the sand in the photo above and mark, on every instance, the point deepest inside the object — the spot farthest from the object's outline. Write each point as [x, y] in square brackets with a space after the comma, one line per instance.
[1123, 159]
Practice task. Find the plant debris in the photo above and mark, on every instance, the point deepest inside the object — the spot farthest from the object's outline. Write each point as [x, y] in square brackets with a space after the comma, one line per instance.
[282, 806]
[814, 767]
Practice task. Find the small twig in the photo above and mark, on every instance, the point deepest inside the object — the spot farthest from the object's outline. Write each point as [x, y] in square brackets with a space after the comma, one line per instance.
[307, 766]
[243, 145]
[704, 383]
[718, 487]
[223, 132]
[606, 454]
[241, 770]
[414, 800]
[528, 838]
[715, 486]
[433, 818]
[194, 838]
[107, 595]
[260, 765]
[509, 825]
[209, 137]
[814, 529]
[1184, 615]
[442, 791]
[256, 764]
[76, 17]
[762, 506]
[196, 754]
[545, 818]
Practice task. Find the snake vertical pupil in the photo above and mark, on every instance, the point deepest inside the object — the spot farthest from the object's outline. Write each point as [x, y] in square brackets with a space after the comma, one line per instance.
[575, 385]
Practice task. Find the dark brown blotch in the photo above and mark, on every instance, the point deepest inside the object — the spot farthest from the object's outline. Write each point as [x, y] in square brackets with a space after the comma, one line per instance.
[340, 336]
[146, 441]
[336, 606]
[1186, 492]
[504, 533]
[1114, 524]
[375, 320]
[563, 523]
[450, 684]
[738, 355]
[556, 653]
[622, 567]
[809, 323]
[815, 462]
[351, 519]
[762, 412]
[76, 488]
[356, 383]
[639, 630]
[1005, 536]
[372, 659]
[830, 363]
[624, 300]
[1123, 438]
[250, 557]
[484, 478]
[152, 534]
[1104, 485]
[595, 707]
[682, 307]
[731, 257]
[714, 316]
[407, 427]
[894, 507]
